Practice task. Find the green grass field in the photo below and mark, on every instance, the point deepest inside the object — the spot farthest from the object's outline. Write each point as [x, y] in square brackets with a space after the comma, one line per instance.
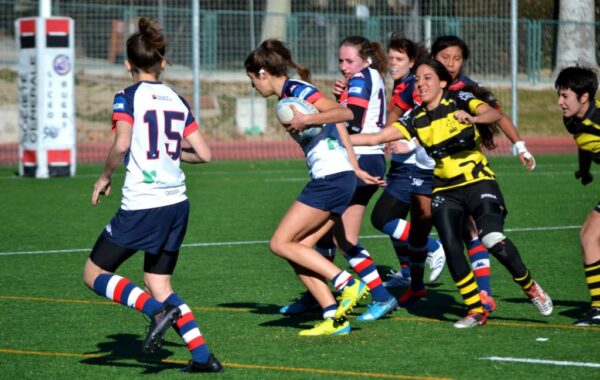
[53, 327]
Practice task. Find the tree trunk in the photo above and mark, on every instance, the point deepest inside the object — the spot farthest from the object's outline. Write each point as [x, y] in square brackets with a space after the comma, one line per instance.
[274, 23]
[576, 34]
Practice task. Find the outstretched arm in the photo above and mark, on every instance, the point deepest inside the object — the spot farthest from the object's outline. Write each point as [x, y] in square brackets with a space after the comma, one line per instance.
[120, 146]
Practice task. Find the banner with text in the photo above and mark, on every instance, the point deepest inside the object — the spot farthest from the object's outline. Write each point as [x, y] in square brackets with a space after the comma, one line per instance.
[46, 99]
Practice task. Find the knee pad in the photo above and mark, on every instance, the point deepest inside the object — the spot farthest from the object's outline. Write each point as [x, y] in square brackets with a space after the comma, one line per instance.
[491, 240]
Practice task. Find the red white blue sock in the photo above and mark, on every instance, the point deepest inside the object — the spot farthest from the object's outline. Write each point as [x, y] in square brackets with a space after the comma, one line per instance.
[480, 262]
[342, 279]
[397, 228]
[329, 311]
[125, 292]
[187, 328]
[365, 268]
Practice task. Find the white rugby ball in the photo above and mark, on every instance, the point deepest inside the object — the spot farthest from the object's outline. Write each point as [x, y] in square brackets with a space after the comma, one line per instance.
[285, 114]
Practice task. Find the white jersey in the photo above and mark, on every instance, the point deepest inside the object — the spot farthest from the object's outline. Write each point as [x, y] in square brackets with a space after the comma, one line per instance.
[160, 120]
[365, 93]
[324, 153]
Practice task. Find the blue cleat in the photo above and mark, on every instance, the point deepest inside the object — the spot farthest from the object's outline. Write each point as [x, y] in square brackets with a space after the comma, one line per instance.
[303, 304]
[378, 310]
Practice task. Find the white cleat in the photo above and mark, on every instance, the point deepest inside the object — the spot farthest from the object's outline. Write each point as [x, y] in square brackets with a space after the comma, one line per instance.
[436, 261]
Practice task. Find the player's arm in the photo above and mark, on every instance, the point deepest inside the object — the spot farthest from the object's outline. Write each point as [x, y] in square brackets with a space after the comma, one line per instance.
[512, 133]
[387, 134]
[363, 175]
[116, 154]
[484, 114]
[330, 111]
[195, 150]
[585, 164]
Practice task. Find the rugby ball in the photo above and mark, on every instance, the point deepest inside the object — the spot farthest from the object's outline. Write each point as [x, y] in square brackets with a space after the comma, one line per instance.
[285, 114]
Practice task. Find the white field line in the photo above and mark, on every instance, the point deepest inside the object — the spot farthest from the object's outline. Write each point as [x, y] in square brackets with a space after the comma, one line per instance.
[540, 361]
[259, 242]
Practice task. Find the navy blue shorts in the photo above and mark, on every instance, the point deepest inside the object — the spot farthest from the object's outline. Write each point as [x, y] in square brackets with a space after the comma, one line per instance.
[404, 179]
[330, 193]
[152, 230]
[374, 164]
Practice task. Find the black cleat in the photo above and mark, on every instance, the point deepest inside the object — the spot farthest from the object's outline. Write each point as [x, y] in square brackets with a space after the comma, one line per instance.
[591, 318]
[212, 365]
[164, 318]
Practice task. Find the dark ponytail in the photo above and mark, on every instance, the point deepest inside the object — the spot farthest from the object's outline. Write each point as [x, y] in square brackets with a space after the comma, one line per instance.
[146, 47]
[274, 57]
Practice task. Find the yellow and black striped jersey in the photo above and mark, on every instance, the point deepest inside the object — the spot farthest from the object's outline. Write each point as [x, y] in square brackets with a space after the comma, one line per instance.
[455, 147]
[587, 131]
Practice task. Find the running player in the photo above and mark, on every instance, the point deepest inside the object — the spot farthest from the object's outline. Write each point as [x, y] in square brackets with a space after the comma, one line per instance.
[333, 169]
[451, 126]
[408, 181]
[151, 122]
[362, 91]
[453, 52]
[576, 88]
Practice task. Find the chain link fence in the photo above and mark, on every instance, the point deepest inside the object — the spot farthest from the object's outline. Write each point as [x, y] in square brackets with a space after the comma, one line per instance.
[237, 123]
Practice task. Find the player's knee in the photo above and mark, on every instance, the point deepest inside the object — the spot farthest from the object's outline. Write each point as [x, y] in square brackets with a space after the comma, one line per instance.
[378, 219]
[491, 239]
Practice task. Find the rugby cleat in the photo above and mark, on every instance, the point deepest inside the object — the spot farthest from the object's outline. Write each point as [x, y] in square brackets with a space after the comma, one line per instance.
[160, 322]
[212, 365]
[472, 319]
[488, 302]
[540, 299]
[378, 309]
[396, 279]
[410, 297]
[591, 318]
[351, 294]
[306, 302]
[436, 260]
[329, 326]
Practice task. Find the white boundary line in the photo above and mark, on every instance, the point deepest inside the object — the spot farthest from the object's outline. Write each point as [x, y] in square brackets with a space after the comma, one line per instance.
[256, 242]
[540, 361]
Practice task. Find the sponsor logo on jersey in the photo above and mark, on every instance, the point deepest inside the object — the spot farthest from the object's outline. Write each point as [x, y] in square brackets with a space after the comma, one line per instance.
[118, 106]
[464, 96]
[355, 90]
[161, 97]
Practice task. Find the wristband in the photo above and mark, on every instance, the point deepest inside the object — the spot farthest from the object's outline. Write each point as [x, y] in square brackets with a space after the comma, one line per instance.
[520, 147]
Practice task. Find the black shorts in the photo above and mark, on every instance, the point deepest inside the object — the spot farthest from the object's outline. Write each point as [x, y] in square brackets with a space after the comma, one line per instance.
[470, 198]
[109, 256]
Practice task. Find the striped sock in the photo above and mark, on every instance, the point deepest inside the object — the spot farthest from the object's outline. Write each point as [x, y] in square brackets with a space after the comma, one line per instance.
[365, 268]
[329, 311]
[525, 282]
[187, 328]
[123, 291]
[417, 266]
[397, 228]
[592, 277]
[342, 279]
[480, 262]
[467, 287]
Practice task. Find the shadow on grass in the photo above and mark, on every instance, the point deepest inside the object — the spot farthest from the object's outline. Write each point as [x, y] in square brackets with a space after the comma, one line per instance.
[125, 350]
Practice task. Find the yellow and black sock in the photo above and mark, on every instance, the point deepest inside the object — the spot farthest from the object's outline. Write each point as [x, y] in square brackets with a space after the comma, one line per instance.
[525, 282]
[592, 278]
[470, 293]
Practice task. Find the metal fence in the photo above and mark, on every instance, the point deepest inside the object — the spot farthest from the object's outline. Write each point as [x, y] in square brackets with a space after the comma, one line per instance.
[226, 35]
